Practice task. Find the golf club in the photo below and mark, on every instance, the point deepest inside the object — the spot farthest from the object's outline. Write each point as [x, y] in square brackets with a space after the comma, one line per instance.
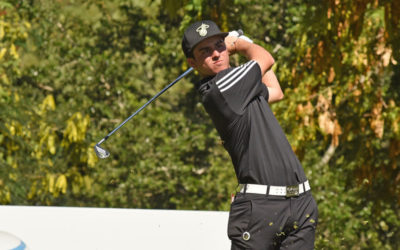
[101, 152]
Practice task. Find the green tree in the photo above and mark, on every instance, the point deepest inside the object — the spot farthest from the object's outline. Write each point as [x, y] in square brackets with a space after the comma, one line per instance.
[71, 71]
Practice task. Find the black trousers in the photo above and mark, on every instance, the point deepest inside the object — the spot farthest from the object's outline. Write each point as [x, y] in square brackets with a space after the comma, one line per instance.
[260, 222]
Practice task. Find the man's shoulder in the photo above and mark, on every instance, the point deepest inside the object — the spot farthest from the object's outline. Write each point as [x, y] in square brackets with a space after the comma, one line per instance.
[230, 77]
[230, 74]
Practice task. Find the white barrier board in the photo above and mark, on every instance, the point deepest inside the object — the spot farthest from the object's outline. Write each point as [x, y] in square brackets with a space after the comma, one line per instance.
[49, 228]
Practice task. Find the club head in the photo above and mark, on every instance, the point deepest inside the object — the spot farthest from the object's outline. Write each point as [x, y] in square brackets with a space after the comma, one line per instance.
[101, 152]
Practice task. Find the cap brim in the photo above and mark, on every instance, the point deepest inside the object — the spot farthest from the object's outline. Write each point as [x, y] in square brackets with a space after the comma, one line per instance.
[223, 34]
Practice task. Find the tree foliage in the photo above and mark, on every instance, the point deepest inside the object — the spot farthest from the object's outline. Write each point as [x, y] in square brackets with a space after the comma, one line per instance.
[71, 71]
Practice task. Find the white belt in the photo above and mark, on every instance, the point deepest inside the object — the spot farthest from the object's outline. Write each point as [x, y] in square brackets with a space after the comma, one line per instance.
[287, 191]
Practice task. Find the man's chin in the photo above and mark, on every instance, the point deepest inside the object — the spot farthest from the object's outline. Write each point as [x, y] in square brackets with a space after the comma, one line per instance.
[220, 67]
[214, 70]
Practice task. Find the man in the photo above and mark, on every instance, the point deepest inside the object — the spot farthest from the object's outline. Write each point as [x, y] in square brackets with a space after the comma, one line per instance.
[274, 208]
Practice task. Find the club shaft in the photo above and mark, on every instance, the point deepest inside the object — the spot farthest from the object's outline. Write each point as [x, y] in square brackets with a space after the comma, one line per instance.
[147, 103]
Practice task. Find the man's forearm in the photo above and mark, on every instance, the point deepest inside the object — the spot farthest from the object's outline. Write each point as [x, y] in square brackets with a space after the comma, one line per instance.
[251, 51]
[274, 88]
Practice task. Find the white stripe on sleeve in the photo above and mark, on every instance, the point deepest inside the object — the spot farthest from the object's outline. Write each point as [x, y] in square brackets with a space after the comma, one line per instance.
[234, 76]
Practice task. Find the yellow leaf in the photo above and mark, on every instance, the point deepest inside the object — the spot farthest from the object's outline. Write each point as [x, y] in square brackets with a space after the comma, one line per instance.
[16, 97]
[38, 153]
[49, 103]
[384, 226]
[5, 195]
[2, 52]
[28, 25]
[12, 176]
[61, 183]
[49, 162]
[13, 51]
[8, 196]
[51, 178]
[1, 31]
[86, 121]
[88, 182]
[70, 131]
[92, 159]
[12, 130]
[51, 144]
[73, 132]
[4, 79]
[76, 127]
[32, 191]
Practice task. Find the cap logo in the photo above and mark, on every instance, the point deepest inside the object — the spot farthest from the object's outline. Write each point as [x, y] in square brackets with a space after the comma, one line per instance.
[202, 30]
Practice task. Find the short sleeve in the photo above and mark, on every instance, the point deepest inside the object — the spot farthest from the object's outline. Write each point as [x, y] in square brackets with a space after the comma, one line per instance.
[265, 92]
[240, 85]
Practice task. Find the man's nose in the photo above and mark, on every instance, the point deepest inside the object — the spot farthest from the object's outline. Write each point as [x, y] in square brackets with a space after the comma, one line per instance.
[215, 54]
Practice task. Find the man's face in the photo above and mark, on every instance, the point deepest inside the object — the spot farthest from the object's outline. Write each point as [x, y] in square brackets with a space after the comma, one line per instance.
[210, 56]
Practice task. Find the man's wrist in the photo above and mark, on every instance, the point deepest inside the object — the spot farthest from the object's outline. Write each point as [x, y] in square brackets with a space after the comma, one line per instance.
[230, 42]
[233, 45]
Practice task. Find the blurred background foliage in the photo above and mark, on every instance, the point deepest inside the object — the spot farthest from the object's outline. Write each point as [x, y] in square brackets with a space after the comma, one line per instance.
[72, 70]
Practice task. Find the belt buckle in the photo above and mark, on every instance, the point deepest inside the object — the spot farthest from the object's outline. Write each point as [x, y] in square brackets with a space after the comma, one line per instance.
[292, 191]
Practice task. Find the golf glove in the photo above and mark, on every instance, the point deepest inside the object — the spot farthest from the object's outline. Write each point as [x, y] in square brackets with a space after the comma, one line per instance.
[239, 34]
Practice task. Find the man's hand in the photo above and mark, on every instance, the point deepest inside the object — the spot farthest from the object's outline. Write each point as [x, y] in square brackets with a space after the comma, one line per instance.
[232, 38]
[230, 44]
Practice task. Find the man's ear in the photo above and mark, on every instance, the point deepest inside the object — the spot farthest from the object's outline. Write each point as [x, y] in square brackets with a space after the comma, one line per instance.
[191, 62]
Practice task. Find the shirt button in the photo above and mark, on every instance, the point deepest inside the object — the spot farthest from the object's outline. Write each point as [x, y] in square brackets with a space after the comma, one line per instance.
[246, 236]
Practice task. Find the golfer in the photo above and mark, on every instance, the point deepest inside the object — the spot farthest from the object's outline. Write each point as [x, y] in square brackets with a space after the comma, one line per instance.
[273, 207]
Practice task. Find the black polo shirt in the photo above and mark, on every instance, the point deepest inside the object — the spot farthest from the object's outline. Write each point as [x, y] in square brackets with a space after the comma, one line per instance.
[237, 102]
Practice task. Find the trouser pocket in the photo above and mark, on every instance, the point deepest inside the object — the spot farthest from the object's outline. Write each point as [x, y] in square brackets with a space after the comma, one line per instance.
[239, 220]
